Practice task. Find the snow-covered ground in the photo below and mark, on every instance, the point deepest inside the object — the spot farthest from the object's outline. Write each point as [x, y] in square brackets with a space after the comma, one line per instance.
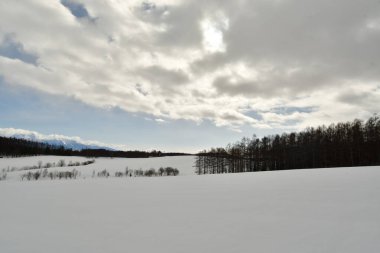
[322, 210]
[183, 163]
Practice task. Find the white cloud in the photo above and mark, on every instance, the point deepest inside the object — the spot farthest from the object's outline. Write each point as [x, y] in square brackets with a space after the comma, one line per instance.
[71, 141]
[212, 32]
[197, 60]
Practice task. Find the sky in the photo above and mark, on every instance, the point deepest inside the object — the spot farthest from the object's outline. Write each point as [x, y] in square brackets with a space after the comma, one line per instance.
[181, 75]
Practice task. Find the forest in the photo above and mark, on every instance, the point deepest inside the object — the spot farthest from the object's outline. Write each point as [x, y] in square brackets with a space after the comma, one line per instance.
[18, 147]
[348, 144]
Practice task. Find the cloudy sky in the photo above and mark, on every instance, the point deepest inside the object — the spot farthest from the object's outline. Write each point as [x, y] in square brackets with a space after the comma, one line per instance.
[186, 75]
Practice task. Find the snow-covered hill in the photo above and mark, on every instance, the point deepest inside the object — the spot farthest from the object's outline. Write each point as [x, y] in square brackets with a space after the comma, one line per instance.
[301, 211]
[183, 163]
[74, 143]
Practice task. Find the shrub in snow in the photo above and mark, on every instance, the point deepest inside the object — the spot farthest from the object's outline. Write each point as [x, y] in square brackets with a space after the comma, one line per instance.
[3, 175]
[150, 173]
[119, 174]
[61, 163]
[88, 162]
[169, 171]
[138, 173]
[45, 173]
[103, 173]
[36, 175]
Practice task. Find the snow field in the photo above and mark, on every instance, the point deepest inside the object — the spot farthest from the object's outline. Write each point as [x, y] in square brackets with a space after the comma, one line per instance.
[321, 210]
[183, 163]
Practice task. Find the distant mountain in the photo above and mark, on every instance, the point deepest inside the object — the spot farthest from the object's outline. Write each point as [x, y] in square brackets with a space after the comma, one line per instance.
[74, 143]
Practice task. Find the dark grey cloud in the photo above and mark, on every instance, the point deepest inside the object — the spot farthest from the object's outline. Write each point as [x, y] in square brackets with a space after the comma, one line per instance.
[13, 49]
[141, 90]
[166, 80]
[148, 6]
[224, 85]
[209, 63]
[365, 98]
[182, 27]
[323, 35]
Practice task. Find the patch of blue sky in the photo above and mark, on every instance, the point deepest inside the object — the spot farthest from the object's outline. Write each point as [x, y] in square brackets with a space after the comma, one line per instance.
[289, 110]
[77, 9]
[29, 109]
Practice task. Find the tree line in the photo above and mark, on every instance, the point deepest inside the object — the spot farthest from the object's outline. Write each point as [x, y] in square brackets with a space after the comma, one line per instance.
[167, 171]
[41, 174]
[19, 147]
[60, 163]
[355, 143]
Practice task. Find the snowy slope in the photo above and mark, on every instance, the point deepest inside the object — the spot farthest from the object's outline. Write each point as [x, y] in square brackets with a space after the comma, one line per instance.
[322, 210]
[183, 163]
[74, 143]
